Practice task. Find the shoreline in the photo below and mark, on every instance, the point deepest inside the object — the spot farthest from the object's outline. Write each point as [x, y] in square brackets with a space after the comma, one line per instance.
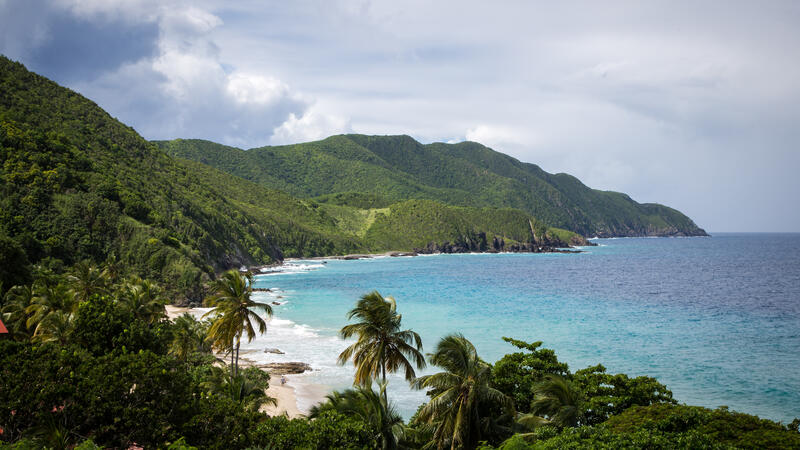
[293, 399]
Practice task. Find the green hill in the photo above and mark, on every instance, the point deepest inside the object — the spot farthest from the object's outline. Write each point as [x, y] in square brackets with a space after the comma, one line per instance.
[77, 184]
[398, 168]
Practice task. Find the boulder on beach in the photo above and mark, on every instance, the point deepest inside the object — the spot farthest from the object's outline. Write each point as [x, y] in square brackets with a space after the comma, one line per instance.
[274, 350]
[285, 368]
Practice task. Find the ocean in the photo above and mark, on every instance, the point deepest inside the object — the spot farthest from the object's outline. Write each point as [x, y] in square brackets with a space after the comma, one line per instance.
[715, 319]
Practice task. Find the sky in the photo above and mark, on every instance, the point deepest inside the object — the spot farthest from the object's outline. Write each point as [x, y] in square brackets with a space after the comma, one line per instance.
[692, 104]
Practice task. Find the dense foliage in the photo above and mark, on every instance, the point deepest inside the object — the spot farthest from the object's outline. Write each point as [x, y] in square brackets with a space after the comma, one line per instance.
[390, 169]
[92, 361]
[92, 218]
[76, 184]
[664, 426]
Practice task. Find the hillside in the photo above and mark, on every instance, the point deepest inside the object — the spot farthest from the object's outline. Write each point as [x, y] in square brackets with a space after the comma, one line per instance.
[398, 168]
[79, 185]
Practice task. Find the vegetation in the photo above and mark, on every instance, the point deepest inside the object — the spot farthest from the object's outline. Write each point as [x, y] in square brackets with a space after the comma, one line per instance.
[118, 374]
[100, 229]
[462, 398]
[381, 346]
[77, 185]
[234, 314]
[369, 407]
[375, 171]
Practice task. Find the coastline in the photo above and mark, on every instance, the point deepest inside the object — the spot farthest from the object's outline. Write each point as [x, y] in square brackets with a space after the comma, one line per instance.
[293, 399]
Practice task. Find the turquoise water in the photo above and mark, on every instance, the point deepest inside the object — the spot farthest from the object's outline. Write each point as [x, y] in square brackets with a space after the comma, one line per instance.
[715, 319]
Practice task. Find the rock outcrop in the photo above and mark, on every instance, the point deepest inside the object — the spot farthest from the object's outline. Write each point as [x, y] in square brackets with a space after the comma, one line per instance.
[284, 368]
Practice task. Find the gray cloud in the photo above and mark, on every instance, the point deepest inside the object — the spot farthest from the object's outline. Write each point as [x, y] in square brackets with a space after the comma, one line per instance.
[691, 104]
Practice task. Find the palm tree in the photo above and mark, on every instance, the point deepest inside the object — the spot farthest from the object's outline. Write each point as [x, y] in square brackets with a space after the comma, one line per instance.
[47, 299]
[371, 408]
[381, 346]
[144, 299]
[239, 388]
[87, 280]
[14, 312]
[459, 394]
[189, 336]
[233, 313]
[559, 401]
[55, 327]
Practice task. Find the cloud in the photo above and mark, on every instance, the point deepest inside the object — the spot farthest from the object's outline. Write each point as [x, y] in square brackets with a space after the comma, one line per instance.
[669, 103]
[156, 66]
[312, 125]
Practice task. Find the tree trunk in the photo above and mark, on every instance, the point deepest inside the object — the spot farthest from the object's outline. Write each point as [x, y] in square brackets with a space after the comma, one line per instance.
[383, 372]
[238, 342]
[232, 356]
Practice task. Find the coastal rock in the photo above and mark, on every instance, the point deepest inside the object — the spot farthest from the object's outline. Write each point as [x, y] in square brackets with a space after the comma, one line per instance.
[285, 368]
[352, 257]
[274, 350]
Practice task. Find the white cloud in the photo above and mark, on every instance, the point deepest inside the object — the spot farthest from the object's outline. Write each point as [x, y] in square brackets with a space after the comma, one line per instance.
[648, 98]
[195, 95]
[312, 125]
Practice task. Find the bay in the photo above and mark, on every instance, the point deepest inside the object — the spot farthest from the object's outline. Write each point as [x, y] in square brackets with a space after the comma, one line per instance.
[715, 319]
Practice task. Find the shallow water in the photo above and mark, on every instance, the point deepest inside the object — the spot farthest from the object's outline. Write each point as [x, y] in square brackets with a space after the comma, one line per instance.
[715, 319]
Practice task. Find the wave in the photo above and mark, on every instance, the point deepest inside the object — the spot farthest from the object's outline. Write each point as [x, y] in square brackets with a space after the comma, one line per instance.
[290, 268]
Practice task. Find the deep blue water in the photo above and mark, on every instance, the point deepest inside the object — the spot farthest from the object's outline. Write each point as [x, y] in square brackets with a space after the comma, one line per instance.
[715, 319]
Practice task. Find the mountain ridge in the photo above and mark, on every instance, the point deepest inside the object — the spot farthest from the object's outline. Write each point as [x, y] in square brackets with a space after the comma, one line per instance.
[78, 185]
[463, 174]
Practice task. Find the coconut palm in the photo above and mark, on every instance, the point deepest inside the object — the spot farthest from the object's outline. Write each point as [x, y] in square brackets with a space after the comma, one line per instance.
[239, 388]
[47, 299]
[233, 313]
[371, 408]
[189, 336]
[112, 268]
[381, 346]
[87, 280]
[144, 299]
[559, 401]
[459, 394]
[14, 313]
[55, 327]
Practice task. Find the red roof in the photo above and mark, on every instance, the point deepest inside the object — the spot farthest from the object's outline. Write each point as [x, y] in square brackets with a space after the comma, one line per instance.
[2, 327]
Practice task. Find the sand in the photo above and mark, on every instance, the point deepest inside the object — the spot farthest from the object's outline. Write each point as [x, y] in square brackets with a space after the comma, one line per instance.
[173, 312]
[286, 394]
[286, 397]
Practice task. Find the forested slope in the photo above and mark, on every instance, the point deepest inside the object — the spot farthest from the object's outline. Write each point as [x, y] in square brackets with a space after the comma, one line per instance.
[398, 168]
[79, 185]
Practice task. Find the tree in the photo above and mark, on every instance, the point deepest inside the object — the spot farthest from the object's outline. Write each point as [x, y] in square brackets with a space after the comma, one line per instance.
[459, 394]
[55, 327]
[517, 374]
[371, 408]
[14, 311]
[47, 299]
[381, 346]
[143, 298]
[233, 313]
[86, 280]
[246, 388]
[559, 401]
[608, 394]
[188, 336]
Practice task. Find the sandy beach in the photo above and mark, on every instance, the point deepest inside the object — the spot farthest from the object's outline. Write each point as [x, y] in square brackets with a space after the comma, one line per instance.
[287, 395]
